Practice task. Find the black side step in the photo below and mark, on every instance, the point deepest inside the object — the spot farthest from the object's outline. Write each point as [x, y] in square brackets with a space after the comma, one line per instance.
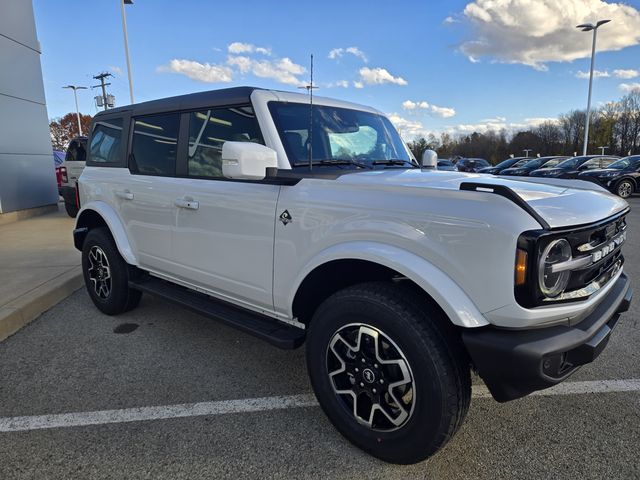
[266, 328]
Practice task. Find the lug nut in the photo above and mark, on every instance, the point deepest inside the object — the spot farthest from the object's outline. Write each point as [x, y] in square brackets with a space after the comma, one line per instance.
[375, 365]
[362, 359]
[357, 370]
[361, 384]
[381, 380]
[374, 391]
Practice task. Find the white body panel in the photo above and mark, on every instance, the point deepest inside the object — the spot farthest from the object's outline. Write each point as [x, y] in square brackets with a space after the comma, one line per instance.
[224, 237]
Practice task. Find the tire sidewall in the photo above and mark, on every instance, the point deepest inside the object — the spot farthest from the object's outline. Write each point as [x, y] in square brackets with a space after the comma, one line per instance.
[414, 438]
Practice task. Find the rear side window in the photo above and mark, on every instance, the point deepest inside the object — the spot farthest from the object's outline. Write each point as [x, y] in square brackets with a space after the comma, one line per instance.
[106, 141]
[209, 129]
[155, 145]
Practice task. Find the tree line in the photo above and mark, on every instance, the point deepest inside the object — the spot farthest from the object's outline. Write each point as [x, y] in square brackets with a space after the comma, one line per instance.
[65, 129]
[616, 126]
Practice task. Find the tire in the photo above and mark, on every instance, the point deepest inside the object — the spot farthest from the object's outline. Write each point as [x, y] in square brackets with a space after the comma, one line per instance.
[71, 209]
[106, 274]
[409, 330]
[625, 188]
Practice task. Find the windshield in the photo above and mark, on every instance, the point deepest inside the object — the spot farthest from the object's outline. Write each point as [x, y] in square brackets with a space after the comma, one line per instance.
[571, 163]
[625, 163]
[338, 134]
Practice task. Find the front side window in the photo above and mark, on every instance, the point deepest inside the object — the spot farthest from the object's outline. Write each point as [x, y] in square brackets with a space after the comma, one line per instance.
[154, 146]
[337, 134]
[105, 141]
[626, 163]
[590, 164]
[209, 129]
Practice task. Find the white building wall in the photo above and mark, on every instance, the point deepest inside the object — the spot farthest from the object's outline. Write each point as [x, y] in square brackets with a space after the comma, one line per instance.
[27, 175]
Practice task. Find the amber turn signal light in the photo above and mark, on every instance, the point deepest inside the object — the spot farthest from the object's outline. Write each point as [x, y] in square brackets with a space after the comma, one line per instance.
[521, 267]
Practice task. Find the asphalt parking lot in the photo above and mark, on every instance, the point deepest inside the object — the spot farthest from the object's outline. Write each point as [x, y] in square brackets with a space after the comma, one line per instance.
[70, 361]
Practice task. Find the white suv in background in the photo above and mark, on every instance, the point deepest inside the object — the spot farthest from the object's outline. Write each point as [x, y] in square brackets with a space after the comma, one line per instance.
[296, 224]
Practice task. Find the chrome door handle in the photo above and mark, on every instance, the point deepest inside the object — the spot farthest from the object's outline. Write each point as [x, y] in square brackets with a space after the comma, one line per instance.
[184, 203]
[126, 195]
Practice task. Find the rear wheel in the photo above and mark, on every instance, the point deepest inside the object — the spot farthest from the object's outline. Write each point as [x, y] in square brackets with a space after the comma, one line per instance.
[625, 188]
[72, 209]
[106, 274]
[388, 372]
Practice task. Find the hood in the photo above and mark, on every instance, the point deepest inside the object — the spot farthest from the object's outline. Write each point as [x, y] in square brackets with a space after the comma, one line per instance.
[600, 171]
[488, 170]
[514, 171]
[547, 172]
[560, 203]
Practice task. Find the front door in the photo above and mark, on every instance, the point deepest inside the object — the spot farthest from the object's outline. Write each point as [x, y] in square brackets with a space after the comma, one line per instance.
[223, 241]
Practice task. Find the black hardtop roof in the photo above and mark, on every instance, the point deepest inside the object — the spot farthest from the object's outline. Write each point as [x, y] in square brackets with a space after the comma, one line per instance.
[209, 98]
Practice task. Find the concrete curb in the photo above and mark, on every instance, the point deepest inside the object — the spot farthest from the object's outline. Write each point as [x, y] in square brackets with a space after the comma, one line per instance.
[26, 308]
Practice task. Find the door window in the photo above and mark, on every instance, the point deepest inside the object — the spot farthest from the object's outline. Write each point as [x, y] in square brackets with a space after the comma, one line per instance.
[209, 129]
[154, 146]
[105, 142]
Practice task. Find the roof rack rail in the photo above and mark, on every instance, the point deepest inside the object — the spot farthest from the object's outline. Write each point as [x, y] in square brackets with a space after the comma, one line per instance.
[506, 192]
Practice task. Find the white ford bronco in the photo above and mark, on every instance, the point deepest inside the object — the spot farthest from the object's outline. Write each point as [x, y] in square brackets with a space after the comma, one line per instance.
[296, 222]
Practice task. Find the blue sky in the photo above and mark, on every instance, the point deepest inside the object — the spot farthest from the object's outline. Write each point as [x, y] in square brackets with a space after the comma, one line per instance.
[435, 66]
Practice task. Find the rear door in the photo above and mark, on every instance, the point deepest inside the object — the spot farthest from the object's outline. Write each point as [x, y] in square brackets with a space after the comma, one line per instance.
[223, 241]
[146, 197]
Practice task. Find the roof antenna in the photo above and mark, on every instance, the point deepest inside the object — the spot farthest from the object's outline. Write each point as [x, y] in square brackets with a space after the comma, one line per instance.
[310, 88]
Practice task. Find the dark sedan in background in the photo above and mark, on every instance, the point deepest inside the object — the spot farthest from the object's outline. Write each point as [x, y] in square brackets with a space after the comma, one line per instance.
[471, 164]
[447, 165]
[621, 177]
[533, 164]
[572, 167]
[508, 163]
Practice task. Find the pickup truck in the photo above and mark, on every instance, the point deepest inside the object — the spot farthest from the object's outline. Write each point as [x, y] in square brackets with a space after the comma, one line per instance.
[313, 223]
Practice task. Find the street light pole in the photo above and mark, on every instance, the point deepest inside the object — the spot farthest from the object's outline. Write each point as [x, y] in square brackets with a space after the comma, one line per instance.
[587, 27]
[526, 152]
[75, 89]
[126, 45]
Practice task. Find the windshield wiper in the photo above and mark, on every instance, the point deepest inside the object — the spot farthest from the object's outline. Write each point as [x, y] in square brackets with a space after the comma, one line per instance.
[333, 161]
[393, 161]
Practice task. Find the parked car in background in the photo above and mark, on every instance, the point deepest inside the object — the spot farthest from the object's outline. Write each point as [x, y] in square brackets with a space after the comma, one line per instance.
[471, 164]
[446, 165]
[621, 177]
[571, 167]
[60, 169]
[508, 163]
[74, 162]
[533, 164]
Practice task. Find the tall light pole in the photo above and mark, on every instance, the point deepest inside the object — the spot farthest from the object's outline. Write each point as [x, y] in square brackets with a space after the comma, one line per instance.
[587, 27]
[75, 89]
[126, 44]
[526, 152]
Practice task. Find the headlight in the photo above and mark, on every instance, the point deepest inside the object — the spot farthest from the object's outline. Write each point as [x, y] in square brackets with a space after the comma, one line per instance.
[553, 284]
[609, 174]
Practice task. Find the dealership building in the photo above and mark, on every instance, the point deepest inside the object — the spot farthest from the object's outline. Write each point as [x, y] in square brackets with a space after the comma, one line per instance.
[27, 175]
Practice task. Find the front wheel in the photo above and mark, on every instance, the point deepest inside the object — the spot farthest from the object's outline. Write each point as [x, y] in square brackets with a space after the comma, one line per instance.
[624, 189]
[106, 274]
[388, 372]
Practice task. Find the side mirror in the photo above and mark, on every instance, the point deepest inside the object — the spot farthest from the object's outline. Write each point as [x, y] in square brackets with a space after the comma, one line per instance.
[247, 160]
[430, 160]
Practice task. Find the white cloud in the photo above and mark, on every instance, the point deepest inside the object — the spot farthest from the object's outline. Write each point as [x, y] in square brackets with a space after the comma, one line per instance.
[378, 76]
[629, 87]
[282, 70]
[239, 47]
[536, 32]
[202, 72]
[409, 129]
[337, 53]
[357, 84]
[444, 112]
[537, 121]
[116, 70]
[339, 83]
[450, 20]
[596, 74]
[626, 74]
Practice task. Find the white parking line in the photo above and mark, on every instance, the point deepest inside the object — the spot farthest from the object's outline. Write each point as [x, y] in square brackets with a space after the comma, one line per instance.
[221, 407]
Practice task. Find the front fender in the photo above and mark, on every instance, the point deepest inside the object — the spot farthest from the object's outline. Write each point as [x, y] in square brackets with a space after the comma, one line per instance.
[113, 222]
[449, 296]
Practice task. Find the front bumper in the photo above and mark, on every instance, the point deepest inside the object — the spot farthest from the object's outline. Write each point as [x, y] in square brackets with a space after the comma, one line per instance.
[515, 363]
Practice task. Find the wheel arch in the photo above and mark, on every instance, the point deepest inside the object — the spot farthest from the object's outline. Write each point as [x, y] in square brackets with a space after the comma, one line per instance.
[99, 214]
[633, 181]
[345, 265]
